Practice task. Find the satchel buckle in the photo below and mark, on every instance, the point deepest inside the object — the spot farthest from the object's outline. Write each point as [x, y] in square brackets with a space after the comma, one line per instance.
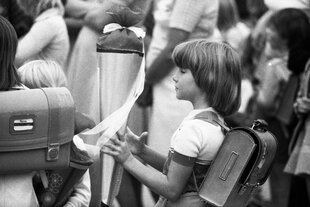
[52, 152]
[247, 185]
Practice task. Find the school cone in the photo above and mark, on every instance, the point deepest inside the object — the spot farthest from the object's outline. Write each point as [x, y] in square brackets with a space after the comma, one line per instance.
[118, 73]
[120, 65]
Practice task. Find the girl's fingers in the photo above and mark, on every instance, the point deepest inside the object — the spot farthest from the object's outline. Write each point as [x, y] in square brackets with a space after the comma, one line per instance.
[115, 141]
[108, 152]
[305, 99]
[111, 147]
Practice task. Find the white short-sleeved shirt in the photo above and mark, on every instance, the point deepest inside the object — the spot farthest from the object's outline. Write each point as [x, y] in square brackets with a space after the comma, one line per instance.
[197, 138]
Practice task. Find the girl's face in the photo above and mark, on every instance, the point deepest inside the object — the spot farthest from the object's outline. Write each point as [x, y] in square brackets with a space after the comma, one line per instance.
[185, 85]
[275, 45]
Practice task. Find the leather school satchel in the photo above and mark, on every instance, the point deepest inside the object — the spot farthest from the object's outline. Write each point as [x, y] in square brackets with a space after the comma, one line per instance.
[243, 162]
[37, 128]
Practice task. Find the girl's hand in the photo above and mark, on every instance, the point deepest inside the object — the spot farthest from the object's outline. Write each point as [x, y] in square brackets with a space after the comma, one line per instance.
[118, 149]
[302, 105]
[136, 143]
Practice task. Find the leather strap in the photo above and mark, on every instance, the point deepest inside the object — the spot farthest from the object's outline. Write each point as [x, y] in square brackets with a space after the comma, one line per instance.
[53, 126]
[212, 117]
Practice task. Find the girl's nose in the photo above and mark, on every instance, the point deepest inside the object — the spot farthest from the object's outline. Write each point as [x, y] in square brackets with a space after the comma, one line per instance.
[174, 77]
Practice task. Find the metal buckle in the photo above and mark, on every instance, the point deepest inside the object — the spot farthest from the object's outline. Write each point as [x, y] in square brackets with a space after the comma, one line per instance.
[52, 152]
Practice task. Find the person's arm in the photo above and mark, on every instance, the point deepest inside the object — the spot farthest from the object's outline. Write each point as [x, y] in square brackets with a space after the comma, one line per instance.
[82, 122]
[81, 194]
[258, 34]
[302, 105]
[266, 96]
[153, 158]
[98, 17]
[34, 41]
[187, 145]
[78, 8]
[163, 64]
[270, 88]
[138, 147]
[184, 18]
[142, 5]
[88, 13]
[170, 186]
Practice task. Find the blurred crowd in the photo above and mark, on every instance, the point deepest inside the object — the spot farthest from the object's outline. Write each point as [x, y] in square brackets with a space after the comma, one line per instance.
[272, 38]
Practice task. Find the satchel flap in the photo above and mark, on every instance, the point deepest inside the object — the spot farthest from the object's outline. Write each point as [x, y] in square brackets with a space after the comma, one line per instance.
[227, 167]
[25, 118]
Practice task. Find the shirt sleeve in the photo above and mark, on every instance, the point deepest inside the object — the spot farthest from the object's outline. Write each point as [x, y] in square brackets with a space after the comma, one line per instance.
[81, 194]
[39, 36]
[188, 141]
[186, 14]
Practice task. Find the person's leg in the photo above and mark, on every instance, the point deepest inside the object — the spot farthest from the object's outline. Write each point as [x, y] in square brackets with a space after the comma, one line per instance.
[307, 179]
[298, 193]
[280, 186]
[129, 193]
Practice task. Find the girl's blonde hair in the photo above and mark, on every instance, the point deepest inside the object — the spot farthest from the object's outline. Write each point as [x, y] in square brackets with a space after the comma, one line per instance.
[35, 7]
[42, 74]
[216, 69]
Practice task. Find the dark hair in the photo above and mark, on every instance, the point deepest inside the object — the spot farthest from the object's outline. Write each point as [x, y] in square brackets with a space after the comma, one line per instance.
[35, 7]
[8, 46]
[293, 26]
[228, 15]
[216, 69]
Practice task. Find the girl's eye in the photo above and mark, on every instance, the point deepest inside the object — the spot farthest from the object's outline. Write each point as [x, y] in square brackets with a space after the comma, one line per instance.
[182, 70]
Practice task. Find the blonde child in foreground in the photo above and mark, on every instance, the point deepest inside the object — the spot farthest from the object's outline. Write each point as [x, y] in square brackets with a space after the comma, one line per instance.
[47, 73]
[209, 76]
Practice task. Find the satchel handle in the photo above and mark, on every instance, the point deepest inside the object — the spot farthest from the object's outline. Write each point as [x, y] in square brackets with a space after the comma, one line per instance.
[260, 125]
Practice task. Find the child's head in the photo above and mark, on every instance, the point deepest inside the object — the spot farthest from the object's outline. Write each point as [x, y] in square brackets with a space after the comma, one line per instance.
[8, 45]
[288, 30]
[35, 7]
[42, 74]
[216, 69]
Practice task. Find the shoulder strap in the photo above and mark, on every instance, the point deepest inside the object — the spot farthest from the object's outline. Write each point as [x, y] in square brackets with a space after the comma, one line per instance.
[212, 117]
